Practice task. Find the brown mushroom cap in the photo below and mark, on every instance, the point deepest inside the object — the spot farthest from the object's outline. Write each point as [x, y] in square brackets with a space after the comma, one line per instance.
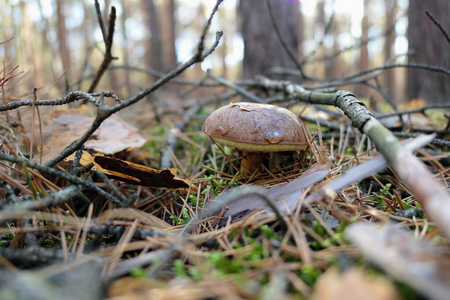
[253, 127]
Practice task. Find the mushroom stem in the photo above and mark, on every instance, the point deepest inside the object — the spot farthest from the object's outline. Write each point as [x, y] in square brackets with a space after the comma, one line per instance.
[251, 162]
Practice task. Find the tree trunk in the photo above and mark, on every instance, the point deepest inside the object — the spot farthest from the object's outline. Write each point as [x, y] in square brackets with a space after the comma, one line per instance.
[319, 32]
[262, 48]
[300, 32]
[389, 75]
[167, 10]
[62, 38]
[154, 57]
[428, 46]
[125, 53]
[364, 51]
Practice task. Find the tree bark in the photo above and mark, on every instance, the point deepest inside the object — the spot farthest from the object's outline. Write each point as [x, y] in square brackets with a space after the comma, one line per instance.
[168, 34]
[262, 48]
[62, 38]
[429, 46]
[154, 57]
[389, 75]
[364, 51]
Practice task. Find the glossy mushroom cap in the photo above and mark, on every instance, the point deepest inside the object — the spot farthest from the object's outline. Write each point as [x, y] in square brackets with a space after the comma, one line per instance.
[253, 127]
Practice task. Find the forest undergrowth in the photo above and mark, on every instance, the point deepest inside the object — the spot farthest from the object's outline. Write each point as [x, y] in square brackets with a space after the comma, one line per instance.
[120, 225]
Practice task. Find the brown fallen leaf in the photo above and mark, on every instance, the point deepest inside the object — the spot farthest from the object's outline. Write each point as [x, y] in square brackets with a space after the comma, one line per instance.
[354, 284]
[417, 262]
[290, 191]
[68, 125]
[134, 173]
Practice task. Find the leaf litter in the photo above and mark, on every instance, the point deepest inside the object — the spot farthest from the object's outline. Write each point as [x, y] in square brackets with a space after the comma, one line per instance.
[171, 233]
[340, 214]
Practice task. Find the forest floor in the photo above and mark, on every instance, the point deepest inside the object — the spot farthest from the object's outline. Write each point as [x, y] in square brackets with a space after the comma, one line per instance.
[60, 238]
[130, 199]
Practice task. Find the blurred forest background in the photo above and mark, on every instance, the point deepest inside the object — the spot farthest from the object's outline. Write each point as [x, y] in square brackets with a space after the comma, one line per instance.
[58, 44]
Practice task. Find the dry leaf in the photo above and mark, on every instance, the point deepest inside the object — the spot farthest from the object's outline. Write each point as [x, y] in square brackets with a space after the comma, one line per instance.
[353, 284]
[68, 125]
[419, 263]
[134, 173]
[285, 196]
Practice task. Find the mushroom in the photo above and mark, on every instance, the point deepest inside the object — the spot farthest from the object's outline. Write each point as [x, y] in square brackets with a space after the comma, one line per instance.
[255, 128]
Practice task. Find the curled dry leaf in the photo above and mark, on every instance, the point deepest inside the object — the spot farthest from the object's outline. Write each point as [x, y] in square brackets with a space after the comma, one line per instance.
[134, 173]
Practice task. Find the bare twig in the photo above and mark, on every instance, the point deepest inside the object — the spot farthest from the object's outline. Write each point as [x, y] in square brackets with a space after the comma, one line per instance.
[416, 110]
[104, 112]
[283, 43]
[237, 88]
[54, 199]
[100, 20]
[432, 196]
[108, 39]
[436, 22]
[74, 179]
[69, 98]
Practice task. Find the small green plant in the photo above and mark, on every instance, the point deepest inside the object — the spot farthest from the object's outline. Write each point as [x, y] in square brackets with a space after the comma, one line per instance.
[224, 265]
[195, 202]
[185, 217]
[309, 274]
[48, 242]
[178, 267]
[138, 272]
[350, 151]
[384, 192]
[217, 186]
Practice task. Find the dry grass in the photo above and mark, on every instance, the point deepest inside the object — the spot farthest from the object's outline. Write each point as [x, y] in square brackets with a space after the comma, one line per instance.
[147, 250]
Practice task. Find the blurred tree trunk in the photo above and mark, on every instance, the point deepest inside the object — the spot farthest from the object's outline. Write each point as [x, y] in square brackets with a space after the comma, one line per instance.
[428, 45]
[319, 32]
[28, 46]
[364, 51]
[167, 11]
[262, 49]
[300, 31]
[154, 54]
[333, 65]
[389, 75]
[48, 60]
[125, 53]
[62, 39]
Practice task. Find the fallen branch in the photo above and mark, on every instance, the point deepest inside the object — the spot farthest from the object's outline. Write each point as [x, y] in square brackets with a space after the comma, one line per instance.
[428, 192]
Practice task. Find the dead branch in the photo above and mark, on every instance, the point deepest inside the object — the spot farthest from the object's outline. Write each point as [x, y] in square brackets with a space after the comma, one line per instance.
[104, 112]
[431, 195]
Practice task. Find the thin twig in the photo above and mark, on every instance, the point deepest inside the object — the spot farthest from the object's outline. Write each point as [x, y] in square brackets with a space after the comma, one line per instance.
[108, 39]
[50, 171]
[413, 111]
[237, 88]
[69, 98]
[438, 25]
[283, 43]
[104, 112]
